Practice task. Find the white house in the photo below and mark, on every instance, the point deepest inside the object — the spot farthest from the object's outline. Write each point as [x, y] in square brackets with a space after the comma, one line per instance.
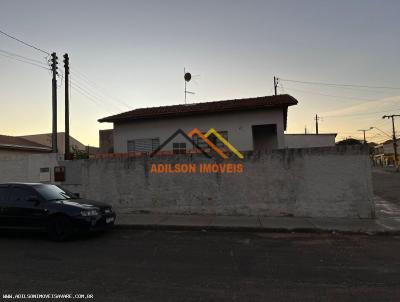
[248, 124]
[384, 153]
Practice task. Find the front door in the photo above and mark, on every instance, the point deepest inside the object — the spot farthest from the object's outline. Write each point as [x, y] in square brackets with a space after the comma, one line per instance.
[265, 137]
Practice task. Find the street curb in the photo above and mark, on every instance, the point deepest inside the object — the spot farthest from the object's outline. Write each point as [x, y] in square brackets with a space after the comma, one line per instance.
[188, 228]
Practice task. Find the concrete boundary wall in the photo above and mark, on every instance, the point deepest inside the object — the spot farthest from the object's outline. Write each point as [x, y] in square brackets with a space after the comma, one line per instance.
[26, 168]
[319, 182]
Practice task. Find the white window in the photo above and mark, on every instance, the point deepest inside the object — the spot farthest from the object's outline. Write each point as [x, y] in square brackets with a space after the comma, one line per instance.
[143, 145]
[179, 148]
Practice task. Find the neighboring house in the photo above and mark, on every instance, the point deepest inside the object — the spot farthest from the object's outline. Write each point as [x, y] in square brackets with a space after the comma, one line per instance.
[11, 146]
[248, 124]
[310, 140]
[106, 138]
[45, 139]
[384, 153]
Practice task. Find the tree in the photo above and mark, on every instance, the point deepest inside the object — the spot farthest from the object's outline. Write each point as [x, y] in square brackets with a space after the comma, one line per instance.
[349, 141]
[79, 154]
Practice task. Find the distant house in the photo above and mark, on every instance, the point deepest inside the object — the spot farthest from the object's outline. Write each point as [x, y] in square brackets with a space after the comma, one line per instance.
[11, 146]
[45, 139]
[384, 153]
[106, 138]
[310, 140]
[248, 124]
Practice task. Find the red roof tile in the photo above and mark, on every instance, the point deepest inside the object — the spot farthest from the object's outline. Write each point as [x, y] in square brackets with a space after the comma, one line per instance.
[276, 101]
[12, 142]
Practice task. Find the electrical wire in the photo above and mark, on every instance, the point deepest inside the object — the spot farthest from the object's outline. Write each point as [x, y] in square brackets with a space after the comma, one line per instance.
[25, 43]
[359, 114]
[90, 94]
[80, 91]
[94, 95]
[340, 85]
[330, 95]
[93, 98]
[104, 93]
[23, 61]
[21, 57]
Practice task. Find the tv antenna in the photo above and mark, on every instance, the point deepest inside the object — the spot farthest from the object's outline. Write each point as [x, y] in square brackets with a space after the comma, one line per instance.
[187, 76]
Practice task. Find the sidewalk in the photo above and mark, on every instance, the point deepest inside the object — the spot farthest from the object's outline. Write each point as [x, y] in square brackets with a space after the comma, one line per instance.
[387, 225]
[387, 221]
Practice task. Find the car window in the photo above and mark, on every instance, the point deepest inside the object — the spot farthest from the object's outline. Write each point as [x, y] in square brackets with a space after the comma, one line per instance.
[53, 192]
[4, 193]
[20, 194]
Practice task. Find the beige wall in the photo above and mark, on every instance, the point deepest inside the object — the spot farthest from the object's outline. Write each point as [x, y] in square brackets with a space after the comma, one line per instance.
[106, 143]
[45, 139]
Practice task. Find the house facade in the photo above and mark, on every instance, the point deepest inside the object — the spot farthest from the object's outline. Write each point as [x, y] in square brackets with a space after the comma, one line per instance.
[384, 153]
[248, 124]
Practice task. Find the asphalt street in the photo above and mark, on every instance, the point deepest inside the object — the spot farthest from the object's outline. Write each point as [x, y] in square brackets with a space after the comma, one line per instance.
[387, 185]
[125, 265]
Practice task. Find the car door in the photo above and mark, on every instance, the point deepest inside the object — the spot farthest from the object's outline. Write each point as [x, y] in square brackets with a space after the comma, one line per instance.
[4, 199]
[25, 208]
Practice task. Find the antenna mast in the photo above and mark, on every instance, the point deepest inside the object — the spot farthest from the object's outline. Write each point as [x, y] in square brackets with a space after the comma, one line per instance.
[187, 76]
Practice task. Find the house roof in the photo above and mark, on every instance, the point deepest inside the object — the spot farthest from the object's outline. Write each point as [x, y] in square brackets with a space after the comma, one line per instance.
[276, 101]
[17, 143]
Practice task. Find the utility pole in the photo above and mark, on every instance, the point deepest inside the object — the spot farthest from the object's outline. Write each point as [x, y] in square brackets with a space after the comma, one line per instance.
[67, 155]
[394, 138]
[276, 85]
[316, 123]
[54, 101]
[365, 130]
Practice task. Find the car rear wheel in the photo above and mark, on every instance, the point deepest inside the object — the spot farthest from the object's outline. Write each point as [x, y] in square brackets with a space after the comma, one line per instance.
[59, 228]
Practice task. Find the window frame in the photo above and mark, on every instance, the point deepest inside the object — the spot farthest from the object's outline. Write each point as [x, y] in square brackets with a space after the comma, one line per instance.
[179, 148]
[31, 192]
[154, 142]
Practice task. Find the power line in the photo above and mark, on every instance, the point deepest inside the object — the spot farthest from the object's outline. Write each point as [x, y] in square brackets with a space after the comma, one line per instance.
[340, 85]
[90, 82]
[77, 89]
[9, 53]
[360, 114]
[93, 94]
[23, 61]
[25, 43]
[93, 98]
[331, 95]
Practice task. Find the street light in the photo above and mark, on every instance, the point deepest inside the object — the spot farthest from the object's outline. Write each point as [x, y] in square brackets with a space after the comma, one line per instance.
[365, 130]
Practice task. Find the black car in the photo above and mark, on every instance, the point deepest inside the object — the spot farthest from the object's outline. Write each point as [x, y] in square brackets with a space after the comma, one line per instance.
[51, 208]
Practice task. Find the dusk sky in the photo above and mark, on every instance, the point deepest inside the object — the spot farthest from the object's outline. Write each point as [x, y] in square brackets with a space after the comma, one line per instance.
[131, 54]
